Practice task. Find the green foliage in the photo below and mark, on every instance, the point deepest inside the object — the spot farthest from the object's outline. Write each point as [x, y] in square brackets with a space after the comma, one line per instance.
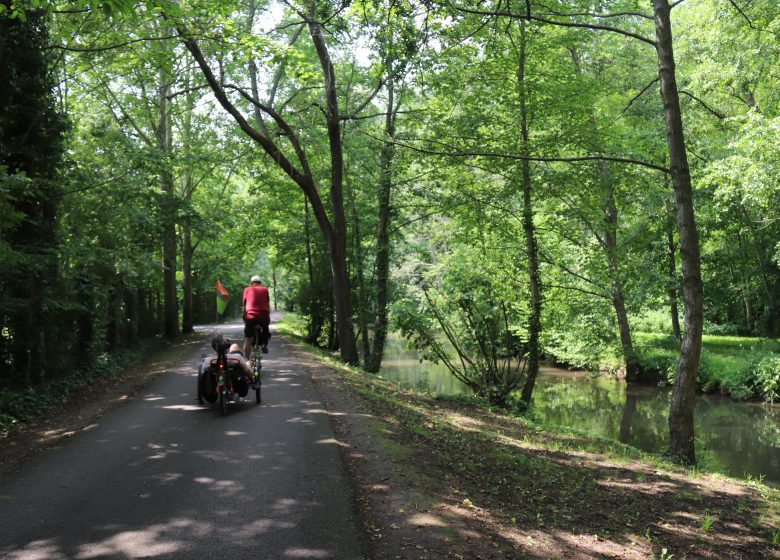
[465, 326]
[18, 406]
[767, 374]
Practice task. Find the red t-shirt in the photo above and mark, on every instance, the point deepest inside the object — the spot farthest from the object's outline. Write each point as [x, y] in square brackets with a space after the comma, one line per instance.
[256, 302]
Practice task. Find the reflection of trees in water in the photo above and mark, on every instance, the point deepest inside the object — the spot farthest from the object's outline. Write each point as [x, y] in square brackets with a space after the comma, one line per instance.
[590, 405]
[628, 416]
[736, 437]
[741, 438]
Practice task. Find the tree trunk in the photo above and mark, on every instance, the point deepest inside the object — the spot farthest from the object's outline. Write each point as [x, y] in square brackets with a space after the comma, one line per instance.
[187, 322]
[671, 252]
[337, 238]
[187, 248]
[531, 249]
[362, 300]
[618, 301]
[383, 232]
[681, 431]
[164, 144]
[273, 280]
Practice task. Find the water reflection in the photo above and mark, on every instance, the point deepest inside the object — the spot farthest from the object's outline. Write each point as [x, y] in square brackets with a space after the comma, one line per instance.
[738, 438]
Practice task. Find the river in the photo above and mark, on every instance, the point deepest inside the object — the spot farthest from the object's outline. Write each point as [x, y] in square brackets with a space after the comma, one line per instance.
[738, 438]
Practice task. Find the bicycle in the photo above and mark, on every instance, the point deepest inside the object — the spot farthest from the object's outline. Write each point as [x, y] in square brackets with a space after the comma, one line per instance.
[223, 379]
[257, 362]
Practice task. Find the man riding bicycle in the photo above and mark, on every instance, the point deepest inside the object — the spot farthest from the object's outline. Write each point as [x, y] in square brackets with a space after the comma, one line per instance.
[256, 310]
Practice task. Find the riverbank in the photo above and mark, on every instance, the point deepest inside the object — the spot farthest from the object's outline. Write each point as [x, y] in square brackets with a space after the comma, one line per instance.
[482, 484]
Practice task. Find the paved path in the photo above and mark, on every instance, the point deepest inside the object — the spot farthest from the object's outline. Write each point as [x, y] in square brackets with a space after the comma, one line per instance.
[162, 477]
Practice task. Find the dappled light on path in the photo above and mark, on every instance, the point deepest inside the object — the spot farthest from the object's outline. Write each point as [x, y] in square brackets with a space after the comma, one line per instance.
[164, 477]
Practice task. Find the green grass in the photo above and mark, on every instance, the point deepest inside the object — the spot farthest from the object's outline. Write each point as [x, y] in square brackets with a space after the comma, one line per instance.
[741, 367]
[292, 324]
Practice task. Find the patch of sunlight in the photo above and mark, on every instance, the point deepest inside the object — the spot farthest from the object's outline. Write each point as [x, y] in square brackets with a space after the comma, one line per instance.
[285, 504]
[167, 477]
[38, 550]
[465, 422]
[204, 480]
[128, 543]
[333, 440]
[315, 411]
[234, 433]
[307, 553]
[596, 546]
[657, 487]
[53, 433]
[262, 526]
[299, 420]
[154, 398]
[426, 520]
[185, 407]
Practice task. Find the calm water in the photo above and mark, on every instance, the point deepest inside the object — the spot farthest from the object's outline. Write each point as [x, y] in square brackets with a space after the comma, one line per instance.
[738, 438]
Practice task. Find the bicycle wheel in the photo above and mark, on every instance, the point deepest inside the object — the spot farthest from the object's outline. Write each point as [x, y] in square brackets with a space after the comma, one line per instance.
[222, 402]
[257, 381]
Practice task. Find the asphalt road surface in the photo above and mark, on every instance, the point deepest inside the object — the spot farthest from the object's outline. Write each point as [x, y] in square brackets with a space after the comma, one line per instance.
[162, 477]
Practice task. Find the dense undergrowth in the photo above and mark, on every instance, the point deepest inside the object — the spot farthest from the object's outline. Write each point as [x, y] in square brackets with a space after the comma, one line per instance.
[18, 406]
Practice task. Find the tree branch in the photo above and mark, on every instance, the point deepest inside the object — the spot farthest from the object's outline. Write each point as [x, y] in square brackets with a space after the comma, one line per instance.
[638, 95]
[703, 104]
[107, 47]
[572, 159]
[531, 17]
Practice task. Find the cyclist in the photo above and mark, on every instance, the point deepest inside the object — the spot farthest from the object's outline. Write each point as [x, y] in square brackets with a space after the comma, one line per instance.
[256, 310]
[234, 358]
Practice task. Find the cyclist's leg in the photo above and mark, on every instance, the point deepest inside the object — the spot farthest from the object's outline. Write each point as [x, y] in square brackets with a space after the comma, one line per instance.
[265, 322]
[249, 333]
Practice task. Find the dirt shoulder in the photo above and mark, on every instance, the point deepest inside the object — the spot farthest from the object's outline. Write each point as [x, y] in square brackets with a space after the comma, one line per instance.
[445, 479]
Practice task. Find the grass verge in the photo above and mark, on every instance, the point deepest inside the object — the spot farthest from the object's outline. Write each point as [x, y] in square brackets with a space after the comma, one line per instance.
[546, 492]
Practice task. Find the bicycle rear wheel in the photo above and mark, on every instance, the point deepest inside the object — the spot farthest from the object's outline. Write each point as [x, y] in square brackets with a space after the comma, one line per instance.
[222, 402]
[256, 367]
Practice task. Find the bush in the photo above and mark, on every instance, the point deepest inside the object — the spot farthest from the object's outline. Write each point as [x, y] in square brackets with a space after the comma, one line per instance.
[767, 377]
[656, 364]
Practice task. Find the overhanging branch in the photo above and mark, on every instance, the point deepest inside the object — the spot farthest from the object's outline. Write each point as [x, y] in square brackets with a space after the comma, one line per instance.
[571, 159]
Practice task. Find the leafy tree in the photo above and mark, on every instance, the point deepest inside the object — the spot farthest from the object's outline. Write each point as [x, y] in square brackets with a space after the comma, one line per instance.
[31, 152]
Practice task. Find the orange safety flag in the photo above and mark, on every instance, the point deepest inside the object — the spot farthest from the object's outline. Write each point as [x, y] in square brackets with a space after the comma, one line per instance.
[222, 297]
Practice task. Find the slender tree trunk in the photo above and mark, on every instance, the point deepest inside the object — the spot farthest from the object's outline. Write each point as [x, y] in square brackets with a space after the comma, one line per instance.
[618, 301]
[383, 232]
[609, 244]
[681, 431]
[165, 144]
[671, 253]
[273, 280]
[187, 323]
[187, 248]
[314, 322]
[531, 249]
[357, 255]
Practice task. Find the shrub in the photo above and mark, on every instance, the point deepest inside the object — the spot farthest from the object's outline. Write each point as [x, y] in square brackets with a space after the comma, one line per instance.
[767, 377]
